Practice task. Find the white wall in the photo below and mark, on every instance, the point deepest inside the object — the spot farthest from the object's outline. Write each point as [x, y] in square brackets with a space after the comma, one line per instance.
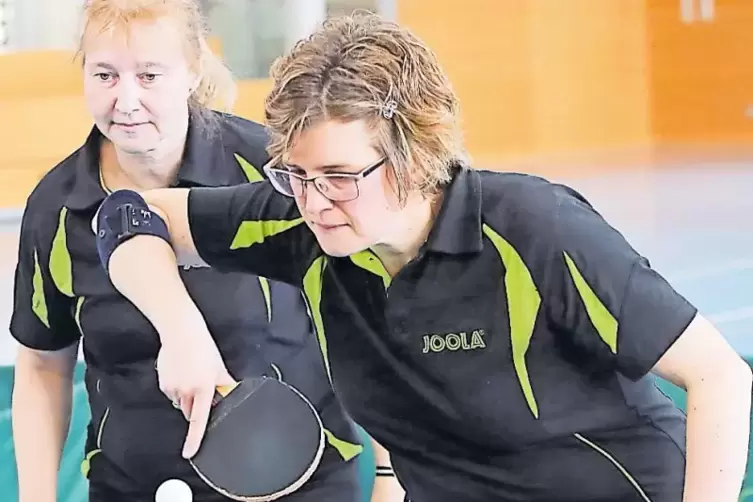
[8, 253]
[44, 24]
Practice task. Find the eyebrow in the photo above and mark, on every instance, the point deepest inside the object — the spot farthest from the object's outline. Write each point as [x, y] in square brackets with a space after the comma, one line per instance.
[325, 168]
[105, 66]
[149, 65]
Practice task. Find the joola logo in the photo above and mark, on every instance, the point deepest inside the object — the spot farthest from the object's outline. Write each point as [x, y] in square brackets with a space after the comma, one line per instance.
[455, 341]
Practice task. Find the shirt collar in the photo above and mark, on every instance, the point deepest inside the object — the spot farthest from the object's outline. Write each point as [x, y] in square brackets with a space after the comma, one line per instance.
[457, 228]
[203, 165]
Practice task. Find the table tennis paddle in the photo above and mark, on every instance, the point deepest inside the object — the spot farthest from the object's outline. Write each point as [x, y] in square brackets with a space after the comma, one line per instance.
[263, 441]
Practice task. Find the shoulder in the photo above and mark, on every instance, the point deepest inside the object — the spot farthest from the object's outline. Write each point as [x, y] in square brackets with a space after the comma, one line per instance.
[513, 199]
[47, 200]
[246, 137]
[530, 210]
[246, 141]
[244, 129]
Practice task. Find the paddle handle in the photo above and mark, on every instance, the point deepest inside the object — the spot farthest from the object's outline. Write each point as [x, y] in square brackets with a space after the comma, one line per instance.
[222, 391]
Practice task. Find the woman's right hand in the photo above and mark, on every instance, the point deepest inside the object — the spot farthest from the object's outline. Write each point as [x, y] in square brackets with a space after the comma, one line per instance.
[190, 368]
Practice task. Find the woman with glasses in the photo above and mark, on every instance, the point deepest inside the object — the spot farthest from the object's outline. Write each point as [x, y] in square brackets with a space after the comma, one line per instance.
[491, 330]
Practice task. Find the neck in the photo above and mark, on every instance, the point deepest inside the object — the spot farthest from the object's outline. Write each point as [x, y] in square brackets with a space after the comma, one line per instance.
[407, 240]
[157, 169]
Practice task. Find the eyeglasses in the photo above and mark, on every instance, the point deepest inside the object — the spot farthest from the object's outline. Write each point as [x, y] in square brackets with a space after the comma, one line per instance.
[337, 187]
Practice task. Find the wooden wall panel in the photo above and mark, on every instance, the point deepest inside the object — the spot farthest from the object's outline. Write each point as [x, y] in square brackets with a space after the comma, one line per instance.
[701, 75]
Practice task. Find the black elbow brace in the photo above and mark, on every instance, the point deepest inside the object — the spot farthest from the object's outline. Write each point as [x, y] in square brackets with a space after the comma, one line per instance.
[122, 215]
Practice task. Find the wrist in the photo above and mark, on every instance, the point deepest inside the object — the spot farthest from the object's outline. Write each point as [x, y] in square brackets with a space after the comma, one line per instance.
[384, 471]
[179, 322]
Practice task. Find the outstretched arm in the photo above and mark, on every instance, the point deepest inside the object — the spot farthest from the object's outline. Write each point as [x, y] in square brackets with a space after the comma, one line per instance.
[189, 364]
[141, 241]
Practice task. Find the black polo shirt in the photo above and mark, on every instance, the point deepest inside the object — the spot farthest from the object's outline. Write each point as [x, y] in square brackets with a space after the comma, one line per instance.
[62, 294]
[508, 361]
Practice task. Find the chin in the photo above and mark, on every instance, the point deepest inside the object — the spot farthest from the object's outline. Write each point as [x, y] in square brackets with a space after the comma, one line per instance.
[339, 242]
[340, 248]
[128, 144]
[134, 143]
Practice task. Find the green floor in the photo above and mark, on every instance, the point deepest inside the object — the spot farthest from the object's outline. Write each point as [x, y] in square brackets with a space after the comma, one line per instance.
[72, 486]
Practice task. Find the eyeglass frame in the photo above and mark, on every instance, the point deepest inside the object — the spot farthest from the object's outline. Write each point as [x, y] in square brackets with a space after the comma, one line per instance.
[356, 177]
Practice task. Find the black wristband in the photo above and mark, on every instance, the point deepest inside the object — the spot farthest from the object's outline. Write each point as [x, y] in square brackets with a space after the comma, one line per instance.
[123, 215]
[384, 471]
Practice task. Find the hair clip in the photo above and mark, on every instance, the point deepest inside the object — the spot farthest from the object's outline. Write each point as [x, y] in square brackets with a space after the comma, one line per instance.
[388, 108]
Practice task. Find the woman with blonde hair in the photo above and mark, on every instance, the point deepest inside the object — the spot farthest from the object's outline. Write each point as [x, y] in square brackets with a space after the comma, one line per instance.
[491, 330]
[151, 85]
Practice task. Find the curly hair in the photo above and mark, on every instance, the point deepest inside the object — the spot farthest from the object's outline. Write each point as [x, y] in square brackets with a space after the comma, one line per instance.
[363, 67]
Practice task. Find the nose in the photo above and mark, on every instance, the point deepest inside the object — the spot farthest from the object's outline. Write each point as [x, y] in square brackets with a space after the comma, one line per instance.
[128, 96]
[314, 202]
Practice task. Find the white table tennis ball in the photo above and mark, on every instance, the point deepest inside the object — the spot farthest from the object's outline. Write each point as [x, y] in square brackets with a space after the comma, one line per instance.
[173, 490]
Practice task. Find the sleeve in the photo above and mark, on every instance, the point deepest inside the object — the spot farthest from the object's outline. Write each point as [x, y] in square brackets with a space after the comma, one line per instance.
[252, 228]
[42, 315]
[604, 296]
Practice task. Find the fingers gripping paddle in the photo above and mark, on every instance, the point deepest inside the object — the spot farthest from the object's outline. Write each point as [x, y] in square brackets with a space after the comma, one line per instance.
[263, 441]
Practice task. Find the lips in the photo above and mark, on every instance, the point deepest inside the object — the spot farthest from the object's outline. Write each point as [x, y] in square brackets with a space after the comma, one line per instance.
[128, 124]
[328, 227]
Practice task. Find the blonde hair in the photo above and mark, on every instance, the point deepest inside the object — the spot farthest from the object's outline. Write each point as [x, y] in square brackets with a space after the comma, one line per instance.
[362, 67]
[216, 87]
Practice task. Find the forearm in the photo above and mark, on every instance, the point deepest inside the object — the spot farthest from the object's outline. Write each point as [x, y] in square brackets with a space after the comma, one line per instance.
[136, 246]
[381, 455]
[41, 412]
[386, 487]
[144, 269]
[717, 437]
